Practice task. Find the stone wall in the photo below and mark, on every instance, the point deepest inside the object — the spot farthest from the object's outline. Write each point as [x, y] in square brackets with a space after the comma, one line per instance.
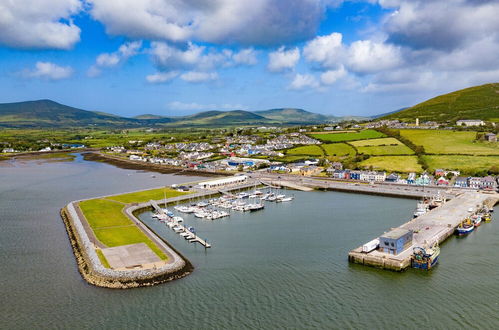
[95, 273]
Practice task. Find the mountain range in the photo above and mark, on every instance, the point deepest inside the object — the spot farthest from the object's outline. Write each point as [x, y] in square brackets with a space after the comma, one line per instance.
[47, 113]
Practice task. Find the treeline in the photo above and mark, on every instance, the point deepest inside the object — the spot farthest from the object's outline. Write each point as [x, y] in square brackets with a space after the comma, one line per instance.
[418, 150]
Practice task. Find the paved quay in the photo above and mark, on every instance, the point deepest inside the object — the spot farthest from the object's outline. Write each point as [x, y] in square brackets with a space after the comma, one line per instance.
[433, 227]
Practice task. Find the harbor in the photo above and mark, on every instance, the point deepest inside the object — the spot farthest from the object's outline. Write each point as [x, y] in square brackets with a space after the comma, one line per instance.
[213, 208]
[397, 248]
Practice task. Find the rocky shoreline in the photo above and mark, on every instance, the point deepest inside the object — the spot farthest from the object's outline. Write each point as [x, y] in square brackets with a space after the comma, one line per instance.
[96, 274]
[135, 165]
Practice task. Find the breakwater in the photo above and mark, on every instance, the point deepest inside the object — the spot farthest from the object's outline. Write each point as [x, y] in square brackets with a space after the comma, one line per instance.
[137, 165]
[95, 273]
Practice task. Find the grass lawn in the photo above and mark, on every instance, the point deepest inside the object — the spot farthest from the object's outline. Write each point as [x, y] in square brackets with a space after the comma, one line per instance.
[112, 227]
[311, 150]
[104, 213]
[147, 195]
[292, 158]
[449, 142]
[339, 137]
[393, 163]
[118, 236]
[102, 258]
[385, 146]
[465, 164]
[338, 149]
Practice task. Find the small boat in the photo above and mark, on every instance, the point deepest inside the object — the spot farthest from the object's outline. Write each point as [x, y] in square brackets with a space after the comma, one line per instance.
[202, 204]
[465, 227]
[425, 258]
[256, 207]
[286, 199]
[477, 220]
[199, 215]
[421, 209]
[487, 217]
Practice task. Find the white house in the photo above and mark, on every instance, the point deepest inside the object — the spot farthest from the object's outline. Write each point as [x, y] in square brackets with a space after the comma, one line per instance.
[470, 122]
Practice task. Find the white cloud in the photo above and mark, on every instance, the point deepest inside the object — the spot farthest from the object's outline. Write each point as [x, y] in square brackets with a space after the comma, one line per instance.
[331, 76]
[177, 105]
[44, 24]
[109, 60]
[162, 77]
[197, 76]
[257, 22]
[245, 57]
[367, 56]
[327, 50]
[302, 81]
[48, 70]
[282, 59]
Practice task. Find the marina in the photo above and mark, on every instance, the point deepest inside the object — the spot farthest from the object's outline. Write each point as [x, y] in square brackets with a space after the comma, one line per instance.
[253, 268]
[214, 208]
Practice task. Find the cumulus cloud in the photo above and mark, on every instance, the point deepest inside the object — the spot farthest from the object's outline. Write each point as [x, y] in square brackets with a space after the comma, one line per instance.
[245, 57]
[367, 56]
[109, 60]
[48, 71]
[326, 50]
[282, 59]
[257, 22]
[185, 106]
[440, 24]
[162, 77]
[302, 81]
[42, 24]
[197, 76]
[331, 76]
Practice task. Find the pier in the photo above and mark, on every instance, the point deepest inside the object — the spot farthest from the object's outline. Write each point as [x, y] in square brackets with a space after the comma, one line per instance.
[433, 227]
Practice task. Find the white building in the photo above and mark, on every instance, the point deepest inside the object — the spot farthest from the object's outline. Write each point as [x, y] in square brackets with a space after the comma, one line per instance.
[373, 176]
[220, 183]
[470, 122]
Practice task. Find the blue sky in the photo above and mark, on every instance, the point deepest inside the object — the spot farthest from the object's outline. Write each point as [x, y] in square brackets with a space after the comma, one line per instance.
[178, 57]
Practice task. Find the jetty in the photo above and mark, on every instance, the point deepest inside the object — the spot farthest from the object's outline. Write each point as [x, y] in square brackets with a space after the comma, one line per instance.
[287, 184]
[433, 227]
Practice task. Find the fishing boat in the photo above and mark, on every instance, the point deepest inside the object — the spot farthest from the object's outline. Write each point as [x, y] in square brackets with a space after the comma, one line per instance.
[487, 217]
[425, 258]
[436, 201]
[477, 220]
[421, 209]
[465, 227]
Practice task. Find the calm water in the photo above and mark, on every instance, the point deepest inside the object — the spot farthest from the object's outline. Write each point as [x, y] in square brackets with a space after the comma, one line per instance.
[284, 267]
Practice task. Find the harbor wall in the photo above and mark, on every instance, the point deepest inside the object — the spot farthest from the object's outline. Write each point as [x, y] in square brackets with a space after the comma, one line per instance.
[95, 273]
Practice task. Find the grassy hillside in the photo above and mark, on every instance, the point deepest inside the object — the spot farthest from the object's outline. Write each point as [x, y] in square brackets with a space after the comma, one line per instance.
[47, 113]
[479, 102]
[297, 116]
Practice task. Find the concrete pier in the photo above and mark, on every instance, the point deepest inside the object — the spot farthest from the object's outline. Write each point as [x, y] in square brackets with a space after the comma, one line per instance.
[433, 227]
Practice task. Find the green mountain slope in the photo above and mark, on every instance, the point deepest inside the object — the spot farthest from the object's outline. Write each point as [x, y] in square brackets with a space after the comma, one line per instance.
[293, 115]
[47, 113]
[479, 102]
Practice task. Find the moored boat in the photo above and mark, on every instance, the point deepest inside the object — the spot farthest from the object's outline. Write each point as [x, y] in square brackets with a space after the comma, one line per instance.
[465, 227]
[425, 258]
[477, 220]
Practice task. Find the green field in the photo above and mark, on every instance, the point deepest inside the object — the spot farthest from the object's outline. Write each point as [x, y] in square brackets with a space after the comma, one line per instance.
[147, 195]
[112, 227]
[465, 164]
[338, 149]
[393, 163]
[384, 146]
[339, 137]
[450, 142]
[311, 150]
[104, 213]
